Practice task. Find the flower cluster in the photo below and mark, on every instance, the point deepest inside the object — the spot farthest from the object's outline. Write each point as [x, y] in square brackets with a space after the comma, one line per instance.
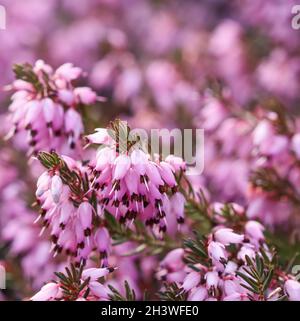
[45, 108]
[131, 185]
[76, 285]
[265, 164]
[227, 265]
[66, 206]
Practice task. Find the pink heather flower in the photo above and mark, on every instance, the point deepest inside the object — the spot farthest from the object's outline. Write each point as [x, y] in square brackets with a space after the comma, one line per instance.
[121, 166]
[191, 281]
[226, 236]
[240, 210]
[167, 174]
[227, 46]
[85, 95]
[103, 241]
[95, 273]
[43, 184]
[246, 250]
[212, 279]
[217, 208]
[216, 251]
[254, 230]
[56, 188]
[69, 216]
[236, 294]
[49, 110]
[267, 141]
[20, 233]
[200, 294]
[100, 137]
[85, 213]
[48, 114]
[292, 289]
[173, 259]
[48, 292]
[99, 290]
[68, 72]
[232, 287]
[279, 64]
[177, 163]
[66, 212]
[66, 96]
[263, 132]
[73, 126]
[172, 267]
[213, 107]
[178, 203]
[41, 66]
[131, 184]
[21, 85]
[230, 268]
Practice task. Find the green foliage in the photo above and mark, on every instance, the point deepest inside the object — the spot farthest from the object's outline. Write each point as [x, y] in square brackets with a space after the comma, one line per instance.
[258, 274]
[287, 247]
[196, 251]
[172, 292]
[51, 160]
[117, 296]
[25, 72]
[196, 206]
[270, 181]
[71, 283]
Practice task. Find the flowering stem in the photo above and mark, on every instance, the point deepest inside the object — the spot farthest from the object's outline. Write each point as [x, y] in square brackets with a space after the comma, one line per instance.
[194, 205]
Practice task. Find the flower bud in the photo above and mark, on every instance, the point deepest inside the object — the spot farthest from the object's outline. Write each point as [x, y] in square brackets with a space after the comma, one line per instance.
[217, 251]
[48, 292]
[254, 230]
[191, 280]
[167, 174]
[43, 184]
[56, 188]
[85, 212]
[122, 164]
[102, 240]
[226, 236]
[292, 289]
[48, 110]
[95, 273]
[200, 294]
[86, 95]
